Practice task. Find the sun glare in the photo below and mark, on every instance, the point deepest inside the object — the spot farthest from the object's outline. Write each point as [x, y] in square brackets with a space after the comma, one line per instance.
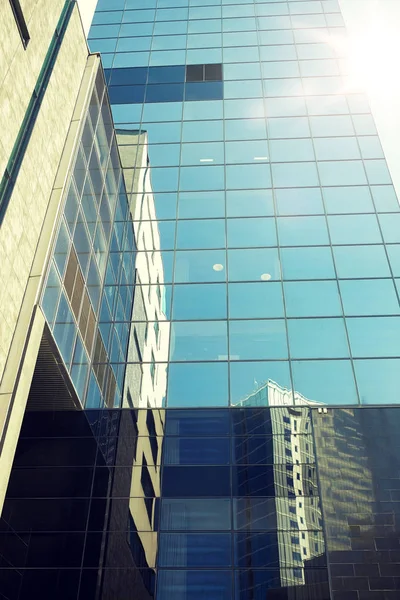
[372, 50]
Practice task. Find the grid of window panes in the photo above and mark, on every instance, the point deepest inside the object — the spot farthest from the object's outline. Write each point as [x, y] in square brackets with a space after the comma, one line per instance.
[279, 224]
[84, 281]
[168, 504]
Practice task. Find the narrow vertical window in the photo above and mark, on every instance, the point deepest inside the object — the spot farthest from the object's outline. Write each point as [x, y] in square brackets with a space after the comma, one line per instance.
[21, 23]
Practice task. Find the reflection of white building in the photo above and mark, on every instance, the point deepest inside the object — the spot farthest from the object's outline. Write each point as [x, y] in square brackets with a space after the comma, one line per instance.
[300, 535]
[146, 371]
[293, 452]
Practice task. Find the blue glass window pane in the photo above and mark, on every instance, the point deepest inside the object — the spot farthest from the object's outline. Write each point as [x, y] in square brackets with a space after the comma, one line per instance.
[369, 297]
[378, 380]
[64, 329]
[193, 205]
[202, 131]
[294, 174]
[361, 261]
[257, 340]
[255, 300]
[302, 231]
[289, 127]
[394, 258]
[80, 367]
[317, 338]
[342, 172]
[307, 201]
[374, 336]
[390, 225]
[249, 233]
[377, 172]
[195, 481]
[61, 249]
[194, 550]
[195, 585]
[162, 115]
[354, 229]
[385, 198]
[245, 129]
[195, 154]
[254, 264]
[206, 90]
[172, 92]
[191, 514]
[331, 126]
[241, 177]
[199, 301]
[291, 150]
[198, 340]
[169, 42]
[51, 294]
[249, 203]
[307, 263]
[132, 44]
[198, 111]
[207, 233]
[246, 152]
[325, 381]
[312, 298]
[198, 266]
[354, 199]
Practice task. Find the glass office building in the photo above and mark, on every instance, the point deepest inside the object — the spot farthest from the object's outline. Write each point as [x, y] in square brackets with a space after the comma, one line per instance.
[278, 221]
[221, 302]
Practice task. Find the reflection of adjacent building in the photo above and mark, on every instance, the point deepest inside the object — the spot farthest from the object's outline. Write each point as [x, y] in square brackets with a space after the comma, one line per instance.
[145, 378]
[300, 538]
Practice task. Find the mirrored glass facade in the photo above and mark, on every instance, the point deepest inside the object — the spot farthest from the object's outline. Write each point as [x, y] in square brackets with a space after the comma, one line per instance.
[285, 503]
[210, 414]
[251, 155]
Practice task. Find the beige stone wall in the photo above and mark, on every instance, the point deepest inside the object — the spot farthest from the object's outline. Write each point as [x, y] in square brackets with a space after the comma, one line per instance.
[20, 230]
[25, 215]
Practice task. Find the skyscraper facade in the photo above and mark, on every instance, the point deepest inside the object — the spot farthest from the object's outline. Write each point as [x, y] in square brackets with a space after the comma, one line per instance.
[205, 403]
[277, 217]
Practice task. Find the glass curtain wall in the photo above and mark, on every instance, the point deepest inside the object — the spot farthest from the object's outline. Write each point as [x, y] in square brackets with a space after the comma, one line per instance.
[254, 159]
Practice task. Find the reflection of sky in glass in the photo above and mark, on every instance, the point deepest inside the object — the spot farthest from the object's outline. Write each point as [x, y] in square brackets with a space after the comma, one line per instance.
[275, 208]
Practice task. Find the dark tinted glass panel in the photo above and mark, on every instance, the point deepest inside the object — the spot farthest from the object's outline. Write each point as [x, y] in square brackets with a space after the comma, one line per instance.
[252, 422]
[256, 550]
[172, 92]
[195, 585]
[213, 72]
[195, 481]
[194, 72]
[125, 76]
[166, 74]
[196, 514]
[194, 550]
[206, 90]
[255, 514]
[197, 422]
[253, 450]
[253, 480]
[196, 451]
[126, 94]
[258, 585]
